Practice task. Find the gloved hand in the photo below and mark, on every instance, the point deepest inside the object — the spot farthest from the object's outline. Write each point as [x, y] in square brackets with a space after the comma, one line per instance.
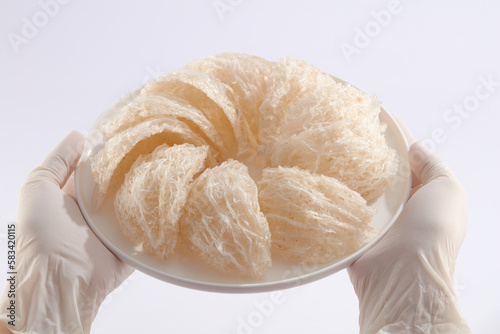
[405, 282]
[63, 271]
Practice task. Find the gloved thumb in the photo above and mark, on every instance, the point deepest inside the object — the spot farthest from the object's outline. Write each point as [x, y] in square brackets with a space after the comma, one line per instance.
[425, 165]
[61, 161]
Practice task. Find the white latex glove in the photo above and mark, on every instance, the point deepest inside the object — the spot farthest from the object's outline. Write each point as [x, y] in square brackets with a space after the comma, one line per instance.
[405, 282]
[63, 271]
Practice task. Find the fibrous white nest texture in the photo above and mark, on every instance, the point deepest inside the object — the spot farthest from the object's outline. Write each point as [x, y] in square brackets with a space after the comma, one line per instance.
[245, 160]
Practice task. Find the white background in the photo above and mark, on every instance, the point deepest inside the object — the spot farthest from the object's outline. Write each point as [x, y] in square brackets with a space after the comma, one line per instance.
[425, 60]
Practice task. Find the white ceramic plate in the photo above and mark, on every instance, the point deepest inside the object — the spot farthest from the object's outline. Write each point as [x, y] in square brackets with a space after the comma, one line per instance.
[184, 271]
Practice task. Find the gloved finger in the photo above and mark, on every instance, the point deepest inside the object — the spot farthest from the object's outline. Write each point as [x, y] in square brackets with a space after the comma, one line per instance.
[69, 186]
[426, 165]
[61, 161]
[414, 190]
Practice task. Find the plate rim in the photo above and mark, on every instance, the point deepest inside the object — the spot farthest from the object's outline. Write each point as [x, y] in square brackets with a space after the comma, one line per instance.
[254, 287]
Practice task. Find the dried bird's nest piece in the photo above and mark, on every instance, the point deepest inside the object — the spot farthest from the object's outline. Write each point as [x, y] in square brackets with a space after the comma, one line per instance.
[149, 203]
[313, 218]
[223, 223]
